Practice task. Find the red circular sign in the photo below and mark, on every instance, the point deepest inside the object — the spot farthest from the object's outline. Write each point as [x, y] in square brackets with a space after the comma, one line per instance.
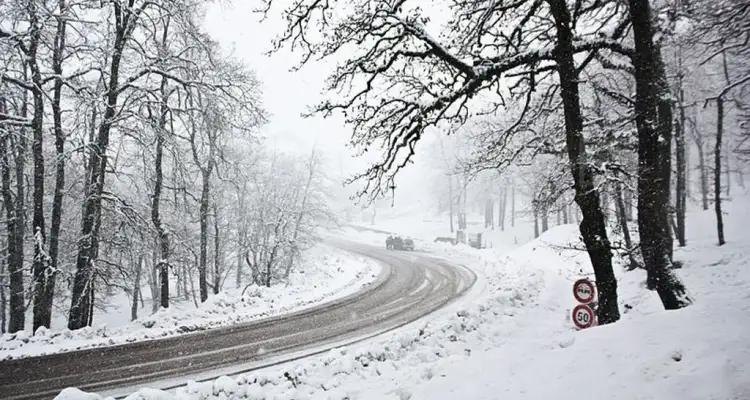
[584, 291]
[583, 316]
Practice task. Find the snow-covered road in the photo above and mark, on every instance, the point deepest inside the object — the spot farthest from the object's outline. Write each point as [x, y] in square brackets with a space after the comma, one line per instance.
[410, 286]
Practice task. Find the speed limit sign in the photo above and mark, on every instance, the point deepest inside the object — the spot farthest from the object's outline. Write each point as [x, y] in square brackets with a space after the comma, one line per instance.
[583, 291]
[583, 316]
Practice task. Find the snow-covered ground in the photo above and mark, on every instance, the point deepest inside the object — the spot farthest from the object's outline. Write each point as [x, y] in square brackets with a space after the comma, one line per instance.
[325, 274]
[514, 339]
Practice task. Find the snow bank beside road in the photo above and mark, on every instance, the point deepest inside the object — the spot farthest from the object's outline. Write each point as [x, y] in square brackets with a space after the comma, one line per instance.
[516, 340]
[325, 274]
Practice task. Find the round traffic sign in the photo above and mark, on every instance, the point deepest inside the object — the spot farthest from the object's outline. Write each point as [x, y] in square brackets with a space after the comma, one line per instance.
[583, 316]
[583, 291]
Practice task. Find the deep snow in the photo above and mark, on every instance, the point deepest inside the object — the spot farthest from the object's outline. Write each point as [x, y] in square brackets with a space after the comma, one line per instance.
[513, 337]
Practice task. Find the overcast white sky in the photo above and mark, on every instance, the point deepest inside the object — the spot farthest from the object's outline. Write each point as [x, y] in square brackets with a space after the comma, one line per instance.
[287, 94]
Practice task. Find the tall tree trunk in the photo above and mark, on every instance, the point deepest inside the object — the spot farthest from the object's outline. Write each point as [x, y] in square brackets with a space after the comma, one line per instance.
[90, 314]
[57, 199]
[41, 294]
[153, 280]
[503, 204]
[3, 299]
[136, 289]
[717, 169]
[187, 277]
[593, 228]
[238, 280]
[202, 278]
[623, 220]
[162, 263]
[653, 115]
[680, 189]
[703, 172]
[15, 221]
[82, 296]
[489, 218]
[217, 247]
[535, 207]
[10, 261]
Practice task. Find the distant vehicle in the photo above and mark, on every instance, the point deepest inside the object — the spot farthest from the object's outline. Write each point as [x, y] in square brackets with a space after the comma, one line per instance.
[398, 243]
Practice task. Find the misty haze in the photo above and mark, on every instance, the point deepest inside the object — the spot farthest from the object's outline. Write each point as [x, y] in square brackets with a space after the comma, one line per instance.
[374, 199]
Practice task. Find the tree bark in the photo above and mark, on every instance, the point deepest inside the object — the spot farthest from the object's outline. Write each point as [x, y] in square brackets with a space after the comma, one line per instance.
[136, 289]
[161, 232]
[593, 228]
[3, 299]
[489, 218]
[623, 220]
[238, 279]
[57, 199]
[653, 115]
[82, 296]
[717, 169]
[702, 167]
[15, 221]
[202, 278]
[681, 181]
[13, 263]
[42, 296]
[503, 204]
[217, 247]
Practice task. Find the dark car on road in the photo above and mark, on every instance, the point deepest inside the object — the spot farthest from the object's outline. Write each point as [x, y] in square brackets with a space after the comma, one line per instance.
[397, 243]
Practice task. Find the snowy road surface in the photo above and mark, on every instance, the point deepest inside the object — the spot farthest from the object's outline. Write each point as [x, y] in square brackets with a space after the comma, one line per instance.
[411, 285]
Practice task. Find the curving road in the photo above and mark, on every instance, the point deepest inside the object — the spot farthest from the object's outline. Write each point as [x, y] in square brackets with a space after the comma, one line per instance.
[410, 286]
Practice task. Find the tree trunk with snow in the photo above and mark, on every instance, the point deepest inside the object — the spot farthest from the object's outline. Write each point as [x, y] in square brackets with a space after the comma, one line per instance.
[162, 237]
[717, 169]
[57, 199]
[653, 115]
[681, 181]
[82, 295]
[42, 293]
[593, 228]
[136, 289]
[15, 221]
[217, 248]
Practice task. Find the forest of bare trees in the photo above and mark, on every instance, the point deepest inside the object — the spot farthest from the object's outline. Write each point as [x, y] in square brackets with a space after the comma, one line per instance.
[130, 150]
[130, 154]
[596, 101]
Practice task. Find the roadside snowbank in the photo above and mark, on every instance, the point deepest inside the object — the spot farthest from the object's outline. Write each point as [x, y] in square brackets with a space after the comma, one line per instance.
[517, 341]
[325, 274]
